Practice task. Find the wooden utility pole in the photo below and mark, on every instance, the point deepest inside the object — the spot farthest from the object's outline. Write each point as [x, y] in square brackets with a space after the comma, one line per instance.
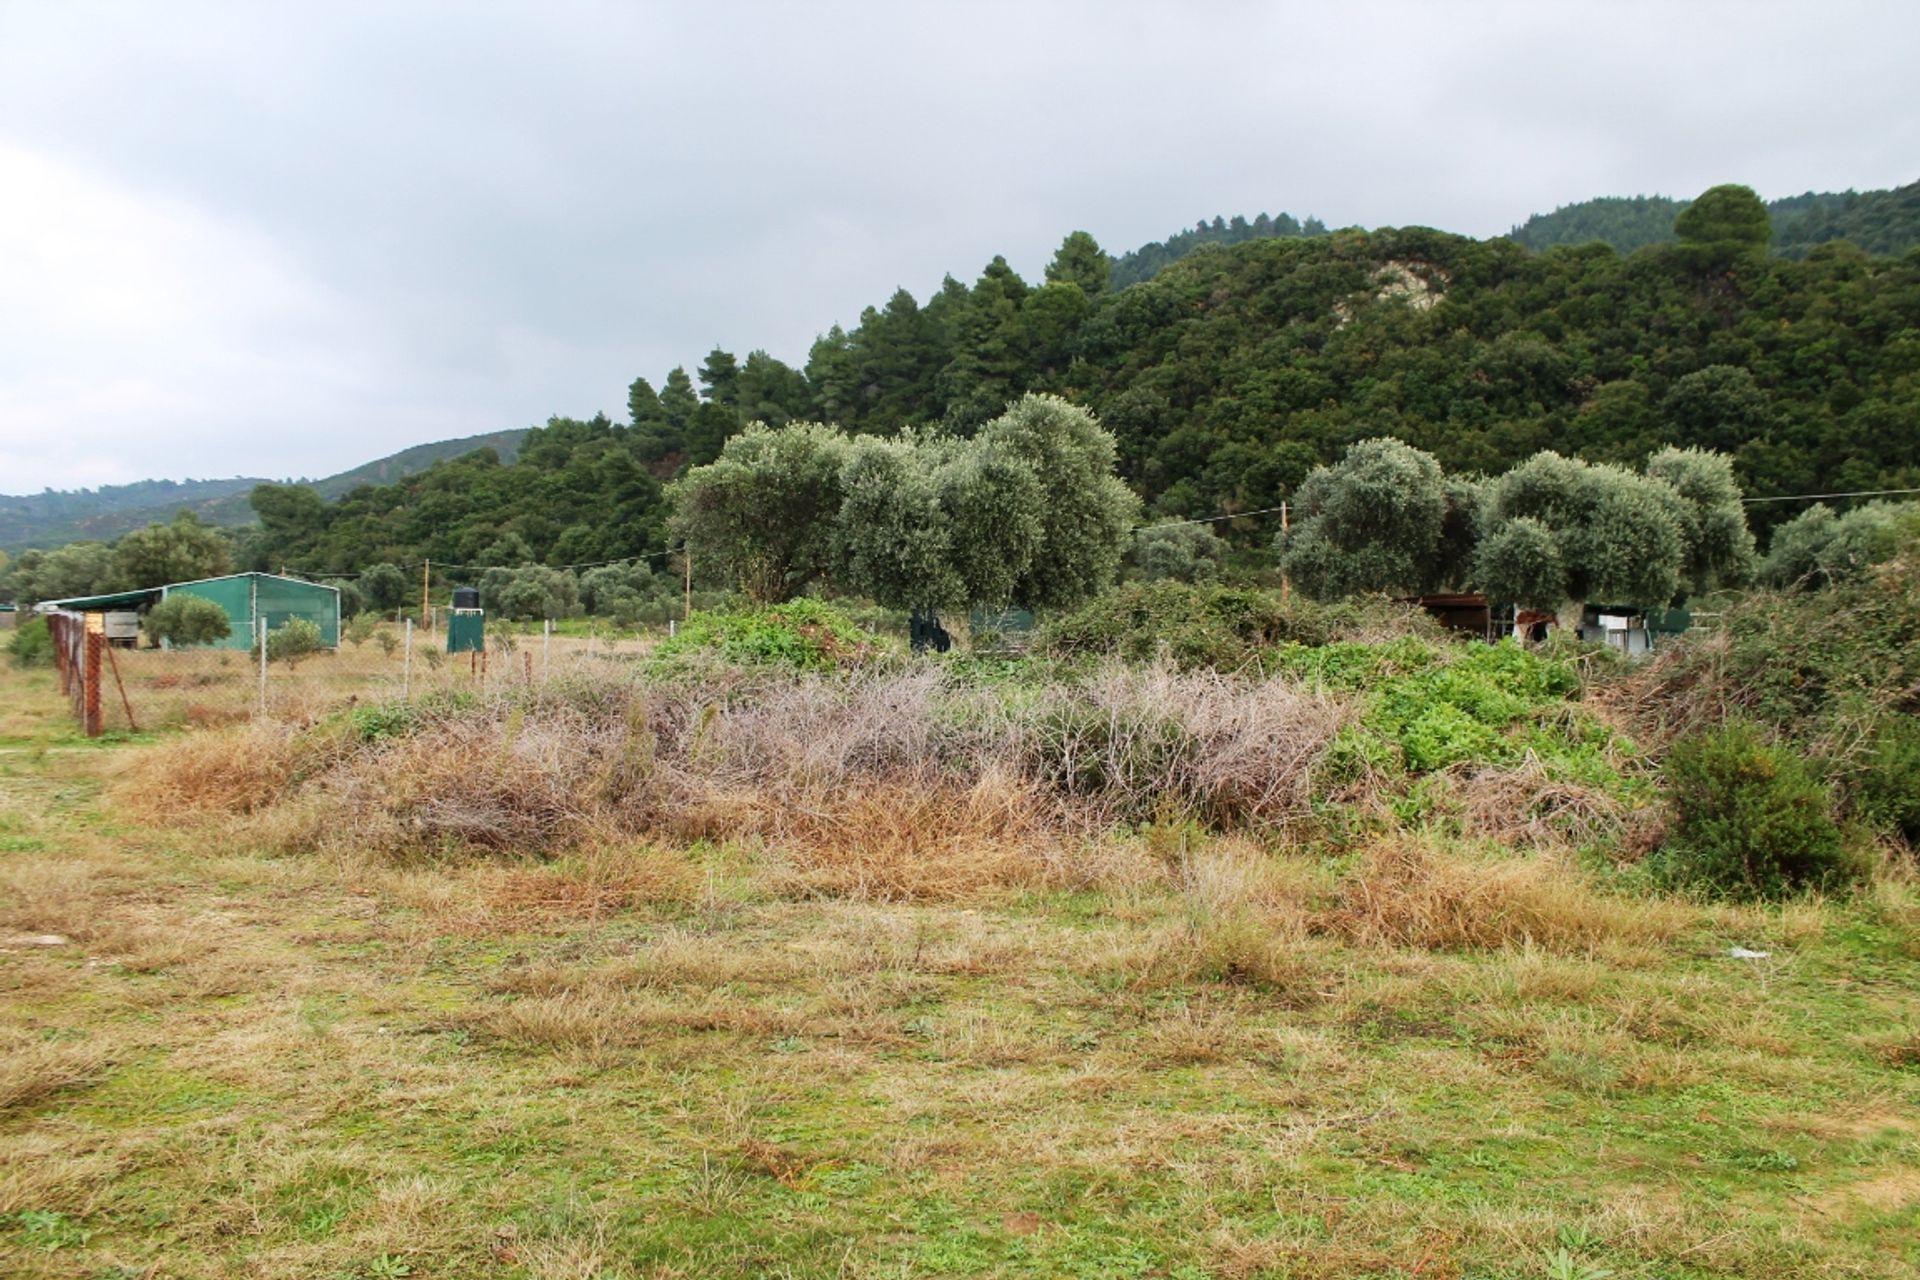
[426, 571]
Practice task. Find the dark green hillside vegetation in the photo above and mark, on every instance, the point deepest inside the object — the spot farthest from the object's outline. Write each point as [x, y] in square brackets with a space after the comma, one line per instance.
[1880, 222]
[55, 517]
[1230, 374]
[578, 492]
[1150, 259]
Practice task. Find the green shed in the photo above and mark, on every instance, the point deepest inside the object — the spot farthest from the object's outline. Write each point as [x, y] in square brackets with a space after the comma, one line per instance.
[248, 597]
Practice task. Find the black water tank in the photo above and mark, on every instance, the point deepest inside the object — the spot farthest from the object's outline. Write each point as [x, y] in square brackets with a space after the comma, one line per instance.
[466, 597]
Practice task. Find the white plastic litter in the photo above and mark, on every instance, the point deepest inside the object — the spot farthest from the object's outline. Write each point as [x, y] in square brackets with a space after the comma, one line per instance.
[1741, 953]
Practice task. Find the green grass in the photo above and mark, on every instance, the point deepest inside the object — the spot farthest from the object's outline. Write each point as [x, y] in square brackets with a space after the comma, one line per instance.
[295, 1066]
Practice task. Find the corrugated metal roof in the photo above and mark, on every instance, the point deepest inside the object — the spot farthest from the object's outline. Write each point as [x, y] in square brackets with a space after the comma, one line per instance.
[111, 600]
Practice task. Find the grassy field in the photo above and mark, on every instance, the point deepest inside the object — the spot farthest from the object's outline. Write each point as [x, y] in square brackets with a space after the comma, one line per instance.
[169, 689]
[1191, 1057]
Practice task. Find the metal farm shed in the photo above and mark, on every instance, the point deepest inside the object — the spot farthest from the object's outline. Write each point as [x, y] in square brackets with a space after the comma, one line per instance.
[246, 598]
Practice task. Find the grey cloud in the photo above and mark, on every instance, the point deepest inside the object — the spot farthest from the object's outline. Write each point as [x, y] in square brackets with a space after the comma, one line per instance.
[479, 215]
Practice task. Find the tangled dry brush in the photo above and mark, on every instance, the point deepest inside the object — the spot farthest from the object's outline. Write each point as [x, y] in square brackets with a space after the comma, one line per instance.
[880, 780]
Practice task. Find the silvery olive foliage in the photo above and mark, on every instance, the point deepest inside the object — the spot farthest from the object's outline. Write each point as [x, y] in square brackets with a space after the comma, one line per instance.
[764, 511]
[1819, 548]
[1615, 536]
[1029, 511]
[1178, 552]
[1382, 519]
[1551, 530]
[1087, 513]
[1719, 544]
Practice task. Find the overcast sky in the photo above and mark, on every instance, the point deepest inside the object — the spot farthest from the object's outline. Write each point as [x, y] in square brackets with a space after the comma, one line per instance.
[282, 239]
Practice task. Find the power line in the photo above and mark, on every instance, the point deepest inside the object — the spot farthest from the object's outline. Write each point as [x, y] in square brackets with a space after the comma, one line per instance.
[1809, 497]
[1238, 515]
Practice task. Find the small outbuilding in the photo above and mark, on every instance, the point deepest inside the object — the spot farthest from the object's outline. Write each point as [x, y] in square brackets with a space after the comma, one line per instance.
[245, 597]
[1634, 632]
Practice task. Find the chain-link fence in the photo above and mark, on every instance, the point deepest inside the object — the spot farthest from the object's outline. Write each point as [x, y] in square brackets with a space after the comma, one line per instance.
[145, 688]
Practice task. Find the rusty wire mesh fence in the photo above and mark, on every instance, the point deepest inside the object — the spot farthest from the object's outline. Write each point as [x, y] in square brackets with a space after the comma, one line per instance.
[146, 688]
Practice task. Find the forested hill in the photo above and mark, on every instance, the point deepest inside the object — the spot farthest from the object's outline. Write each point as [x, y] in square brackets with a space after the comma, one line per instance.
[1233, 372]
[67, 515]
[1150, 259]
[1882, 222]
[58, 516]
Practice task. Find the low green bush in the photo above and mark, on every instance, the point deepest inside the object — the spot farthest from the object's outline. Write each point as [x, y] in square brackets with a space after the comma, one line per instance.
[1431, 706]
[31, 644]
[1886, 794]
[1750, 819]
[185, 621]
[801, 634]
[1205, 625]
[293, 639]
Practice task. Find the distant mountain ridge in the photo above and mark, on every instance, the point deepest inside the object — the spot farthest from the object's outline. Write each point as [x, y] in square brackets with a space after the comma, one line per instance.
[69, 515]
[1880, 222]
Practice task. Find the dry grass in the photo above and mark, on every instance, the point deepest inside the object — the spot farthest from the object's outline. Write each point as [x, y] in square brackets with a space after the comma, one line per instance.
[849, 979]
[887, 786]
[900, 842]
[426, 1060]
[34, 1069]
[238, 769]
[1407, 891]
[1522, 805]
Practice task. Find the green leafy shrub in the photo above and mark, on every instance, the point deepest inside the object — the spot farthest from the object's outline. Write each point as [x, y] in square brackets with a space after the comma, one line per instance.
[292, 640]
[1751, 819]
[1887, 792]
[1432, 706]
[1203, 625]
[385, 720]
[1796, 660]
[184, 621]
[31, 644]
[801, 634]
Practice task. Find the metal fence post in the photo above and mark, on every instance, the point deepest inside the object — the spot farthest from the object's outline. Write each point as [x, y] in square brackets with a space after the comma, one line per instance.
[262, 624]
[406, 665]
[546, 648]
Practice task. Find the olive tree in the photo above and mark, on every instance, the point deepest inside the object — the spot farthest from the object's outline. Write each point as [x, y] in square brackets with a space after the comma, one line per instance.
[182, 550]
[892, 539]
[1610, 535]
[617, 591]
[1029, 511]
[1179, 551]
[764, 510]
[1818, 548]
[184, 621]
[1713, 520]
[1086, 513]
[992, 501]
[384, 587]
[529, 593]
[1384, 518]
